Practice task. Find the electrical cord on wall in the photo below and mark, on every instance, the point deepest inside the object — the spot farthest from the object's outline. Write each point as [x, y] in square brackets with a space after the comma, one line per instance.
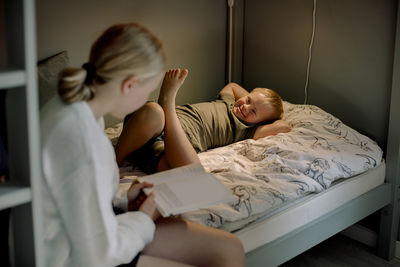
[230, 51]
[310, 52]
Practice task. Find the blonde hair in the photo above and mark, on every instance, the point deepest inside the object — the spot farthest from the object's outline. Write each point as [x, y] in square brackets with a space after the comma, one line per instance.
[273, 99]
[121, 51]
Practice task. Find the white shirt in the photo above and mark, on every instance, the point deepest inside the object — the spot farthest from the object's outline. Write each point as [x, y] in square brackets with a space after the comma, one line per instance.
[80, 180]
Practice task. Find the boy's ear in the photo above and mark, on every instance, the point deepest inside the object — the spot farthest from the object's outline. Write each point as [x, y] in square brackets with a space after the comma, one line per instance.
[128, 85]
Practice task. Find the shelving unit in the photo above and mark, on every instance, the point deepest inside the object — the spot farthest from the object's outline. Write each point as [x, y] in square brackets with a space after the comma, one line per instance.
[10, 79]
[21, 192]
[11, 196]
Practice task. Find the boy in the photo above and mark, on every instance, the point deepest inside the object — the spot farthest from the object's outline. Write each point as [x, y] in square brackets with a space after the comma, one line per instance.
[153, 143]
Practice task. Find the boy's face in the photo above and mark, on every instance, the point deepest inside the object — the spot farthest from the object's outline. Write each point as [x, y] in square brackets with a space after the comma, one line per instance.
[253, 108]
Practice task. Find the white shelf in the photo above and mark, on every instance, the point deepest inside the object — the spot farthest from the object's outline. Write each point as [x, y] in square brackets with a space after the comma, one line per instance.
[12, 78]
[22, 192]
[14, 195]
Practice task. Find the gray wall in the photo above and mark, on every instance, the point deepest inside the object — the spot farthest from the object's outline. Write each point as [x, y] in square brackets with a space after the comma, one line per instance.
[352, 56]
[193, 33]
[351, 67]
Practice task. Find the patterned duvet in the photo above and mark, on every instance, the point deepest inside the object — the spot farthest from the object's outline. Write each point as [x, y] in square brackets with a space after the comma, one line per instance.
[268, 173]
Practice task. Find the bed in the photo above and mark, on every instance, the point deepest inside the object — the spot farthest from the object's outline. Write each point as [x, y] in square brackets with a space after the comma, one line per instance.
[292, 190]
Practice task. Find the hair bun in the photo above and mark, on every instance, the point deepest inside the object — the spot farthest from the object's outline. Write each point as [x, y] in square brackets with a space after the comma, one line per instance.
[90, 72]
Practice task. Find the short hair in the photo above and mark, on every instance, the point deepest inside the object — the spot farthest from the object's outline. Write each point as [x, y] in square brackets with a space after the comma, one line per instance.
[274, 100]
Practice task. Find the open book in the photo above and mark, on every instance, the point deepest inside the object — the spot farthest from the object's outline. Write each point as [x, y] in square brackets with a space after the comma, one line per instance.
[185, 189]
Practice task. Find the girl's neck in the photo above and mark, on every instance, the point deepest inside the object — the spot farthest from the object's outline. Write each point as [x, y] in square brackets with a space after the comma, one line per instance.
[103, 101]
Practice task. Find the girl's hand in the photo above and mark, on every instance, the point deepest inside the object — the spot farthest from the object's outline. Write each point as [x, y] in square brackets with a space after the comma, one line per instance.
[136, 196]
[149, 207]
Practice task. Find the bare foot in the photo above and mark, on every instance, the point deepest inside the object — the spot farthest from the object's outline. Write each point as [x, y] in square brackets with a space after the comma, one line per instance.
[173, 80]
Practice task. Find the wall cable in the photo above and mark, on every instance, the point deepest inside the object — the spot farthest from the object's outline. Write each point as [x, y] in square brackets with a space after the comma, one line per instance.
[230, 41]
[310, 52]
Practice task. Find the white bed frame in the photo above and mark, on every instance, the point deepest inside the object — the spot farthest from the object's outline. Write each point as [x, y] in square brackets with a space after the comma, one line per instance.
[383, 197]
[310, 228]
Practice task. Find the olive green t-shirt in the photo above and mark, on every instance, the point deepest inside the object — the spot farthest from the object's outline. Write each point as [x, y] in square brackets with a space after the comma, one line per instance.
[212, 124]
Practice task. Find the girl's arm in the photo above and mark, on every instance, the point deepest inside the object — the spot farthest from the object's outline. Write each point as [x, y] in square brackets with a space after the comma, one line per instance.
[234, 89]
[96, 235]
[278, 126]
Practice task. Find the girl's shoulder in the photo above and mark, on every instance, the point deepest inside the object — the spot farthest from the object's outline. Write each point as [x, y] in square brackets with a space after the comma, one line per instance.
[60, 121]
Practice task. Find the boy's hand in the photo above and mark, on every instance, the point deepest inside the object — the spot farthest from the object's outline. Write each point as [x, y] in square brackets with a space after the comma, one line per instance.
[278, 126]
[282, 126]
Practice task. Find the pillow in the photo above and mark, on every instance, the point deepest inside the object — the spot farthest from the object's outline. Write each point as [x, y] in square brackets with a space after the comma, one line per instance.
[48, 70]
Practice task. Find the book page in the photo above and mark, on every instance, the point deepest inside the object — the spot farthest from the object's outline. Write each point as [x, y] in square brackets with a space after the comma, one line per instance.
[186, 188]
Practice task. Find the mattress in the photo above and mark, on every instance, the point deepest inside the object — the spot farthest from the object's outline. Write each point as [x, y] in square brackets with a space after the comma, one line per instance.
[271, 175]
[294, 215]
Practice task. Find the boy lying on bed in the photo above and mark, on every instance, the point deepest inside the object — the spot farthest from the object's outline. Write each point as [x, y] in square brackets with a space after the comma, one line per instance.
[152, 137]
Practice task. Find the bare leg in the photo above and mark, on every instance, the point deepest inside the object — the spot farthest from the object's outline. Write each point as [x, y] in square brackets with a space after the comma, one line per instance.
[148, 261]
[178, 150]
[195, 244]
[147, 122]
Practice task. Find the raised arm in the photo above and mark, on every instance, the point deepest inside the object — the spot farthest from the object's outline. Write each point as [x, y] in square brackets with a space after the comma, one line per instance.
[234, 89]
[278, 126]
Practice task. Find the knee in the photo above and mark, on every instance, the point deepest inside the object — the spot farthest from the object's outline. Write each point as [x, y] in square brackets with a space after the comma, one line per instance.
[152, 116]
[237, 246]
[226, 251]
[154, 111]
[233, 252]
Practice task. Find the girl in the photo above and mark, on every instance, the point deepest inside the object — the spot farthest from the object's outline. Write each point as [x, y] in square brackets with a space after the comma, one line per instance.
[81, 176]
